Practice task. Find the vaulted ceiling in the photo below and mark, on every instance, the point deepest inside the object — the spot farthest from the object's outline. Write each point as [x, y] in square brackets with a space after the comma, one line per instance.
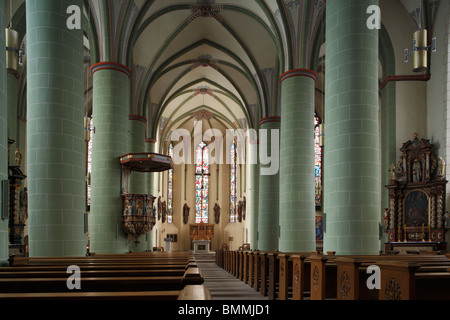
[204, 59]
[208, 59]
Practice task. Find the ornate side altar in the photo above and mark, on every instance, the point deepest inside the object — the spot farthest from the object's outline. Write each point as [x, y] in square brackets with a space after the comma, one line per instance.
[415, 217]
[139, 212]
[18, 204]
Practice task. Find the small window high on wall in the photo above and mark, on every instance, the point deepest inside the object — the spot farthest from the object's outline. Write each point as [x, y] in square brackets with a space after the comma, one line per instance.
[233, 182]
[170, 190]
[318, 161]
[201, 183]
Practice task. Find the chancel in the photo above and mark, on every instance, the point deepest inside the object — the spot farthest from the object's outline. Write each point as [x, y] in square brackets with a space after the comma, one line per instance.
[208, 149]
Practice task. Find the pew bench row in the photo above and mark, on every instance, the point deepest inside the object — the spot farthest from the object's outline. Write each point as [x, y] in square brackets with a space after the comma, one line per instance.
[310, 275]
[149, 276]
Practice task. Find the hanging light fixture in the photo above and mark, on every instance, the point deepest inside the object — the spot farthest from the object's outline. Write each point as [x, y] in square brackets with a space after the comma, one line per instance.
[420, 50]
[12, 45]
[420, 47]
[12, 49]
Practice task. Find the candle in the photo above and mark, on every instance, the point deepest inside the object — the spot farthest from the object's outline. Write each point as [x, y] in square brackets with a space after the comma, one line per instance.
[404, 226]
[423, 234]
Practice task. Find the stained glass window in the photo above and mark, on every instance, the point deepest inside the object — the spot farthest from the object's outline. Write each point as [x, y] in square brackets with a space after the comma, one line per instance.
[318, 161]
[201, 183]
[233, 182]
[170, 190]
[89, 162]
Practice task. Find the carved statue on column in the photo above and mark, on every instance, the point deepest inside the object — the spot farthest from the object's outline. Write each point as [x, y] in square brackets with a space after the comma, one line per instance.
[386, 219]
[244, 208]
[186, 213]
[159, 207]
[164, 212]
[239, 208]
[216, 213]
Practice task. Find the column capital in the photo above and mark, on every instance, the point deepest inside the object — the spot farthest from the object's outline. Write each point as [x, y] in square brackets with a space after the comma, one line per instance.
[299, 73]
[270, 119]
[111, 66]
[150, 140]
[137, 117]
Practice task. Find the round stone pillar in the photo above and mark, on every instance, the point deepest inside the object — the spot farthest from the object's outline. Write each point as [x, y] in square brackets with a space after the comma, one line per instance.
[297, 197]
[150, 146]
[55, 142]
[137, 125]
[111, 107]
[352, 151]
[268, 228]
[253, 200]
[4, 251]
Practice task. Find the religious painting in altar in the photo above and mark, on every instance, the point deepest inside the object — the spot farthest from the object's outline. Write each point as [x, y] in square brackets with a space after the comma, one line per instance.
[416, 209]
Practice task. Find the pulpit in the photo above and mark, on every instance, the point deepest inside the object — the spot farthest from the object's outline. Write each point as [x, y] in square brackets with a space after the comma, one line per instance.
[415, 217]
[139, 212]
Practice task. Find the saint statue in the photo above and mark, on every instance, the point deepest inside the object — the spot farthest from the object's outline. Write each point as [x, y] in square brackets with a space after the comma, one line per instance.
[392, 172]
[386, 219]
[416, 171]
[186, 213]
[216, 213]
[18, 157]
[441, 167]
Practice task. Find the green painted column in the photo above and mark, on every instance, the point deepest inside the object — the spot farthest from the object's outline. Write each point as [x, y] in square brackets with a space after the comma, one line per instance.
[297, 196]
[352, 151]
[55, 141]
[4, 251]
[268, 228]
[137, 145]
[12, 84]
[151, 185]
[253, 200]
[137, 125]
[111, 101]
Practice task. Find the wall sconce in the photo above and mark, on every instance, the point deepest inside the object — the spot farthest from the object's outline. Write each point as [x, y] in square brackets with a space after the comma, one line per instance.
[420, 50]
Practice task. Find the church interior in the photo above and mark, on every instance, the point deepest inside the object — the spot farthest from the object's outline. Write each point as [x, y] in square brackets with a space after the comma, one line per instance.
[276, 134]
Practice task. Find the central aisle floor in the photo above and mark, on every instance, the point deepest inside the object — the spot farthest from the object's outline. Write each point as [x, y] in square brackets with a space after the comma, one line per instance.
[223, 285]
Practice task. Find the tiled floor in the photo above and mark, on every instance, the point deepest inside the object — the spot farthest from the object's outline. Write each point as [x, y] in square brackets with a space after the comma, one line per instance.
[223, 285]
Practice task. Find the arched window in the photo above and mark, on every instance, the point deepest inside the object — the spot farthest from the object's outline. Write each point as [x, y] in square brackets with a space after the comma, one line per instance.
[170, 190]
[201, 183]
[233, 182]
[89, 127]
[318, 161]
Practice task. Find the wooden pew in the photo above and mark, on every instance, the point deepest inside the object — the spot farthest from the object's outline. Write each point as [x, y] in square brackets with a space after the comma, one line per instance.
[91, 296]
[402, 280]
[292, 274]
[103, 277]
[329, 282]
[352, 273]
[114, 282]
[301, 270]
